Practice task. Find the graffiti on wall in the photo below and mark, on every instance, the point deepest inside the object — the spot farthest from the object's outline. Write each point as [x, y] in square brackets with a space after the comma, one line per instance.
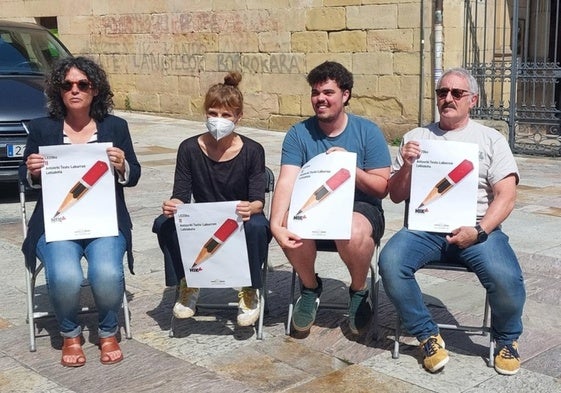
[151, 60]
[185, 59]
[279, 63]
[168, 63]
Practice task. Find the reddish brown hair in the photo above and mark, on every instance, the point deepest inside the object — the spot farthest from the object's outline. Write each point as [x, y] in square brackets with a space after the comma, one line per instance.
[226, 95]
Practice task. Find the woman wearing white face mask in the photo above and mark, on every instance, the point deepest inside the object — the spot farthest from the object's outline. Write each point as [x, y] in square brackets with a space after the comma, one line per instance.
[219, 165]
[219, 127]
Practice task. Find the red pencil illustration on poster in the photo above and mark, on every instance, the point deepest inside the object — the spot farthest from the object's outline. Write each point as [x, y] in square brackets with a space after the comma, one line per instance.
[322, 198]
[82, 186]
[218, 238]
[212, 244]
[78, 192]
[447, 183]
[326, 189]
[444, 186]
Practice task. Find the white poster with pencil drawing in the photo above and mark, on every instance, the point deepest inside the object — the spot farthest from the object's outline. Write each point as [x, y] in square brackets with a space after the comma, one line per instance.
[78, 192]
[321, 205]
[212, 244]
[444, 186]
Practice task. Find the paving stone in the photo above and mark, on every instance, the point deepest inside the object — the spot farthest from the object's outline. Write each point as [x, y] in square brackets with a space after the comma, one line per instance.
[288, 350]
[144, 369]
[16, 378]
[524, 381]
[462, 371]
[548, 362]
[356, 379]
[258, 370]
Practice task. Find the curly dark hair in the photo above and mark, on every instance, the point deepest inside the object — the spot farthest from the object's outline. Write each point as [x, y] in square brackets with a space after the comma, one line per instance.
[334, 71]
[102, 103]
[226, 95]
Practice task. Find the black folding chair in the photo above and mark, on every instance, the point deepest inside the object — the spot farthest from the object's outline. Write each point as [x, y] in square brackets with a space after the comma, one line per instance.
[270, 188]
[329, 246]
[484, 329]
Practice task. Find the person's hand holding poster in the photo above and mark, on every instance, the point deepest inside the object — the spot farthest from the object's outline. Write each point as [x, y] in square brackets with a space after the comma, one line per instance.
[444, 186]
[212, 245]
[321, 206]
[78, 192]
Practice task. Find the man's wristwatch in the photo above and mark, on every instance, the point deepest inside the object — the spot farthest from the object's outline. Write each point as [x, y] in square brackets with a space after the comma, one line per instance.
[481, 234]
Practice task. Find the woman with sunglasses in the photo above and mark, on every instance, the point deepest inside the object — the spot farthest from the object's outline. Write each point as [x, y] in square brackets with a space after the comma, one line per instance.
[79, 100]
[215, 166]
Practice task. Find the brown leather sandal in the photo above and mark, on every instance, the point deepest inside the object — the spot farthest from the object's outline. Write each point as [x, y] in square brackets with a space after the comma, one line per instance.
[110, 350]
[72, 354]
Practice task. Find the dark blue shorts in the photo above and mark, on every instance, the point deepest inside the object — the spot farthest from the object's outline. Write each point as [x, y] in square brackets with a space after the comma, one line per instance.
[373, 213]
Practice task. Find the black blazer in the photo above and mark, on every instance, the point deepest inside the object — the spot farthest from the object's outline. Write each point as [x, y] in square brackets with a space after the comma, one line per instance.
[47, 131]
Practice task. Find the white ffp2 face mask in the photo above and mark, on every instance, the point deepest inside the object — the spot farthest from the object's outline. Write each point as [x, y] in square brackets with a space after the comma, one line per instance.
[219, 127]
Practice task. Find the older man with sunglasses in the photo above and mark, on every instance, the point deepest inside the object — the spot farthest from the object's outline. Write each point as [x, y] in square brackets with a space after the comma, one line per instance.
[483, 248]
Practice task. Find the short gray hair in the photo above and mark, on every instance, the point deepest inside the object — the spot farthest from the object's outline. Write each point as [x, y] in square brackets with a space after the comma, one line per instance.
[462, 73]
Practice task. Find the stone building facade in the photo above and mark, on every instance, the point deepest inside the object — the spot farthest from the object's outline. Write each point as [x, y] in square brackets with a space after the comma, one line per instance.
[162, 55]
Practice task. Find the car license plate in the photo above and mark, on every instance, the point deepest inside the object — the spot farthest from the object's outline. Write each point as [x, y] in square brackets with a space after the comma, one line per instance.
[15, 150]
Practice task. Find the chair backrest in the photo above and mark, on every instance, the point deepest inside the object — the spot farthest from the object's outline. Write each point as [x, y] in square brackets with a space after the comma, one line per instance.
[269, 189]
[269, 179]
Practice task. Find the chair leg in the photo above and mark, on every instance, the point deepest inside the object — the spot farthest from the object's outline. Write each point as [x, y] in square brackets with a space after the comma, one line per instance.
[486, 312]
[29, 276]
[486, 317]
[262, 301]
[491, 362]
[171, 332]
[374, 291]
[30, 286]
[126, 312]
[291, 302]
[395, 353]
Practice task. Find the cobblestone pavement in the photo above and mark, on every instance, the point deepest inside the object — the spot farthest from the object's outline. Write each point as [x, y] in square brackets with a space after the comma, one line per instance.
[210, 353]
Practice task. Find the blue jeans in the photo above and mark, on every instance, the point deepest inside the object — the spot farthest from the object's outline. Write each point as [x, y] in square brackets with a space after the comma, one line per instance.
[493, 261]
[64, 275]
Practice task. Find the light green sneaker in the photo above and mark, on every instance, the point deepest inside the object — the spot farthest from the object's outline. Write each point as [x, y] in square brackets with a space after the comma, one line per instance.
[436, 356]
[507, 360]
[306, 307]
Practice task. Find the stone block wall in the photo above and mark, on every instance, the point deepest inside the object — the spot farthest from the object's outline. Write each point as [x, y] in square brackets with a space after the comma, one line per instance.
[162, 55]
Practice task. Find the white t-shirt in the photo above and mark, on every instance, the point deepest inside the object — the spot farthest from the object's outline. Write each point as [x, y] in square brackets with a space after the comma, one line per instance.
[495, 157]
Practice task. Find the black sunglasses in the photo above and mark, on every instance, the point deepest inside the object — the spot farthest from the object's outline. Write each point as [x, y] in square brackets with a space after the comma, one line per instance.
[456, 93]
[82, 85]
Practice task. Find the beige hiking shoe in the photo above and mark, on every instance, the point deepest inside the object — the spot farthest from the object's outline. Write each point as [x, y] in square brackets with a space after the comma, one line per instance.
[186, 303]
[248, 307]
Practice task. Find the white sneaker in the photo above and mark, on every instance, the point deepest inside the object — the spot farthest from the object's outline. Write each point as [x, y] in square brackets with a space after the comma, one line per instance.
[248, 307]
[186, 303]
